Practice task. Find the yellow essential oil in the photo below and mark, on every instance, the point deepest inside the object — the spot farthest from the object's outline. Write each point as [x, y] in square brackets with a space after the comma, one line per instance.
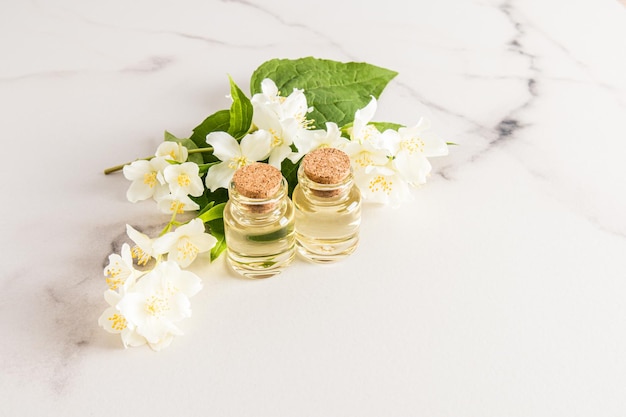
[259, 222]
[328, 206]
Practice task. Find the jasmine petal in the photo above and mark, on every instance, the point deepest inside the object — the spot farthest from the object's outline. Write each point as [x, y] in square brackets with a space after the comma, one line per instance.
[184, 179]
[156, 303]
[185, 243]
[253, 147]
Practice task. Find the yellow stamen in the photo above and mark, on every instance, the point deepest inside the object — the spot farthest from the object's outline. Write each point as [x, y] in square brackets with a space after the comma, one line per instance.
[114, 283]
[156, 306]
[183, 180]
[276, 140]
[186, 250]
[141, 256]
[413, 145]
[379, 183]
[279, 99]
[177, 207]
[303, 122]
[238, 162]
[149, 179]
[112, 272]
[368, 132]
[363, 159]
[118, 322]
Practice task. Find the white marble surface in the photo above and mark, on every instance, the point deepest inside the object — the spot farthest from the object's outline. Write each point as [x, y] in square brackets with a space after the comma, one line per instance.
[500, 291]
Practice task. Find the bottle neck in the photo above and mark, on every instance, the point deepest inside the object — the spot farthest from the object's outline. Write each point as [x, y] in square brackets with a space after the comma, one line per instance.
[325, 192]
[259, 208]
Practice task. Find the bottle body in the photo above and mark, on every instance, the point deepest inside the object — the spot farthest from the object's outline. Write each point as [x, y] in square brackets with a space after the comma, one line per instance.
[328, 218]
[260, 233]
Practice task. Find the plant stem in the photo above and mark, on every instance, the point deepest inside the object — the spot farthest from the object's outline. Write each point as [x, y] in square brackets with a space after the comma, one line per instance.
[169, 225]
[119, 167]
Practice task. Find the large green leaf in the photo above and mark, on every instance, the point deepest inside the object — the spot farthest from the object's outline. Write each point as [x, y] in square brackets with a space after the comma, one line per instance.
[335, 89]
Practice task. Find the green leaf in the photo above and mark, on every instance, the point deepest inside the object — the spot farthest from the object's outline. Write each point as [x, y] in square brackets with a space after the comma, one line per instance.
[270, 237]
[290, 172]
[169, 137]
[211, 198]
[216, 228]
[382, 126]
[215, 212]
[240, 112]
[219, 247]
[204, 168]
[187, 143]
[218, 196]
[206, 208]
[335, 89]
[217, 122]
[235, 121]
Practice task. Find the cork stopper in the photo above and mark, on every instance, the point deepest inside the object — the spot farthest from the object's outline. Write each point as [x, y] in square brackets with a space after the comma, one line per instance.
[258, 181]
[326, 166]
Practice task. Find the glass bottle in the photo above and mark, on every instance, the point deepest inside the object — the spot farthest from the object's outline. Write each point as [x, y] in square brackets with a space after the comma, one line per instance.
[328, 206]
[259, 222]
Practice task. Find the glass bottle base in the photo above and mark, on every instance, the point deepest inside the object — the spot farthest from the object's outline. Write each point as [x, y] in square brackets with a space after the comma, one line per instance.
[326, 250]
[262, 266]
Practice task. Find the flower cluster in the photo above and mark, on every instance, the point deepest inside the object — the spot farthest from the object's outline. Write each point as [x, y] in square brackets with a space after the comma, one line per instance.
[170, 185]
[385, 163]
[149, 289]
[279, 124]
[145, 304]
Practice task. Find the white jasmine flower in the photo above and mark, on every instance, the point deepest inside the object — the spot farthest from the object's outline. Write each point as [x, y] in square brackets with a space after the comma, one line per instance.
[147, 179]
[253, 147]
[310, 140]
[385, 164]
[269, 94]
[184, 179]
[143, 250]
[113, 321]
[185, 243]
[361, 131]
[293, 106]
[283, 117]
[176, 203]
[412, 146]
[158, 301]
[365, 155]
[173, 151]
[374, 172]
[120, 270]
[269, 91]
[282, 134]
[383, 185]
